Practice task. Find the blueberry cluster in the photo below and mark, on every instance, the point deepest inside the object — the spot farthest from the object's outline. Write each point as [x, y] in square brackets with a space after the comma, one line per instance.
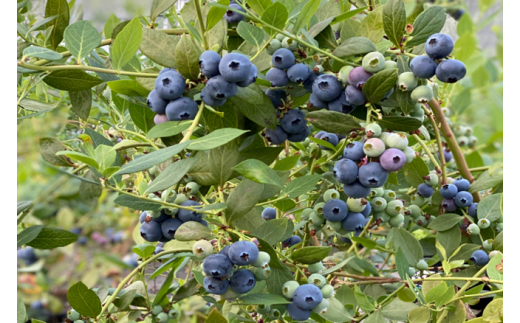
[281, 41]
[223, 275]
[456, 195]
[167, 101]
[437, 47]
[164, 315]
[464, 135]
[224, 76]
[308, 298]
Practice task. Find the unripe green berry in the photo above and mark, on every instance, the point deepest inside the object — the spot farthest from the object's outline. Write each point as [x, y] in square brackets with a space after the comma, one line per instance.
[181, 198]
[499, 227]
[263, 260]
[484, 223]
[263, 309]
[389, 65]
[397, 140]
[262, 273]
[330, 194]
[192, 188]
[384, 136]
[382, 215]
[411, 271]
[374, 129]
[202, 249]
[316, 219]
[373, 62]
[377, 192]
[421, 221]
[273, 46]
[473, 229]
[493, 253]
[409, 154]
[162, 317]
[407, 81]
[274, 314]
[422, 265]
[290, 44]
[356, 205]
[422, 94]
[315, 268]
[332, 227]
[322, 307]
[418, 200]
[431, 179]
[173, 314]
[343, 74]
[73, 315]
[306, 213]
[318, 208]
[289, 288]
[327, 291]
[389, 195]
[378, 204]
[395, 207]
[415, 211]
[374, 147]
[396, 221]
[280, 37]
[317, 279]
[488, 244]
[157, 309]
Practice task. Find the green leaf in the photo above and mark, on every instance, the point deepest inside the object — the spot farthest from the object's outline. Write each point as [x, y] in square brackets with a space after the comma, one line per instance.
[286, 163]
[255, 105]
[109, 25]
[84, 300]
[141, 116]
[33, 105]
[456, 315]
[415, 171]
[28, 235]
[216, 317]
[48, 149]
[336, 312]
[375, 317]
[144, 250]
[43, 53]
[302, 185]
[354, 46]
[159, 47]
[445, 222]
[136, 203]
[333, 121]
[171, 175]
[274, 231]
[215, 14]
[401, 263]
[495, 268]
[419, 315]
[305, 15]
[259, 6]
[490, 207]
[59, 8]
[275, 15]
[191, 287]
[52, 238]
[81, 102]
[464, 252]
[192, 230]
[242, 199]
[449, 239]
[267, 299]
[498, 242]
[152, 159]
[347, 15]
[126, 299]
[486, 181]
[20, 311]
[310, 255]
[216, 139]
[429, 22]
[410, 246]
[128, 87]
[323, 143]
[187, 53]
[71, 80]
[364, 302]
[81, 38]
[167, 129]
[163, 291]
[279, 272]
[394, 21]
[160, 6]
[405, 101]
[379, 84]
[398, 310]
[371, 26]
[105, 156]
[251, 33]
[79, 157]
[258, 172]
[126, 44]
[172, 264]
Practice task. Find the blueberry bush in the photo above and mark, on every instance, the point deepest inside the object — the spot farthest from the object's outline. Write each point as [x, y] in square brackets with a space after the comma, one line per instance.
[271, 160]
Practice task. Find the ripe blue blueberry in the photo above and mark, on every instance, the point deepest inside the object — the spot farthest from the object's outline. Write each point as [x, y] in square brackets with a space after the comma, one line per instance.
[233, 17]
[367, 210]
[353, 222]
[186, 215]
[449, 205]
[216, 286]
[450, 71]
[358, 77]
[423, 67]
[340, 104]
[307, 84]
[326, 87]
[156, 103]
[439, 46]
[242, 281]
[235, 67]
[462, 184]
[392, 159]
[208, 63]
[372, 175]
[297, 313]
[332, 138]
[293, 121]
[291, 241]
[277, 136]
[307, 296]
[243, 253]
[298, 73]
[277, 97]
[224, 251]
[425, 190]
[448, 191]
[448, 155]
[479, 258]
[250, 79]
[277, 77]
[300, 136]
[335, 210]
[354, 95]
[217, 266]
[472, 209]
[315, 102]
[283, 58]
[206, 98]
[219, 88]
[182, 109]
[169, 227]
[356, 190]
[170, 85]
[463, 199]
[269, 213]
[354, 151]
[345, 171]
[151, 231]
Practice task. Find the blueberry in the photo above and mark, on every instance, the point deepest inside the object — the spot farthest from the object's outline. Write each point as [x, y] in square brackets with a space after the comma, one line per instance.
[151, 231]
[394, 207]
[296, 313]
[206, 98]
[274, 45]
[332, 138]
[449, 205]
[277, 136]
[233, 17]
[335, 210]
[277, 77]
[472, 209]
[373, 129]
[389, 65]
[479, 258]
[397, 140]
[315, 102]
[372, 175]
[307, 85]
[356, 205]
[186, 215]
[159, 248]
[439, 46]
[396, 220]
[170, 85]
[289, 43]
[298, 73]
[317, 280]
[217, 266]
[354, 151]
[448, 191]
[307, 296]
[292, 241]
[327, 291]
[156, 103]
[293, 121]
[277, 97]
[219, 88]
[422, 265]
[169, 227]
[263, 260]
[422, 94]
[378, 204]
[269, 213]
[356, 190]
[243, 253]
[250, 79]
[182, 109]
[425, 190]
[463, 199]
[353, 222]
[373, 62]
[235, 67]
[283, 58]
[374, 147]
[340, 104]
[242, 281]
[392, 159]
[216, 286]
[389, 195]
[300, 136]
[354, 95]
[173, 314]
[82, 240]
[358, 77]
[484, 223]
[423, 67]
[462, 184]
[414, 211]
[448, 155]
[345, 171]
[431, 179]
[326, 87]
[450, 71]
[208, 63]
[225, 251]
[73, 315]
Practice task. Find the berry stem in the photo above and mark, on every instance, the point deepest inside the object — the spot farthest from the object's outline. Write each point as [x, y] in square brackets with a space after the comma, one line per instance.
[479, 295]
[138, 135]
[361, 235]
[398, 52]
[261, 49]
[427, 150]
[194, 124]
[453, 145]
[201, 25]
[473, 170]
[438, 138]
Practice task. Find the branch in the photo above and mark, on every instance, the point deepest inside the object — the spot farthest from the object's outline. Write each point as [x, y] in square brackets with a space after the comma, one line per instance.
[84, 68]
[439, 143]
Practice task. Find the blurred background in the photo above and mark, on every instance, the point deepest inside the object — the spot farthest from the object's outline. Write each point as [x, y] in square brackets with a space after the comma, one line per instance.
[103, 252]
